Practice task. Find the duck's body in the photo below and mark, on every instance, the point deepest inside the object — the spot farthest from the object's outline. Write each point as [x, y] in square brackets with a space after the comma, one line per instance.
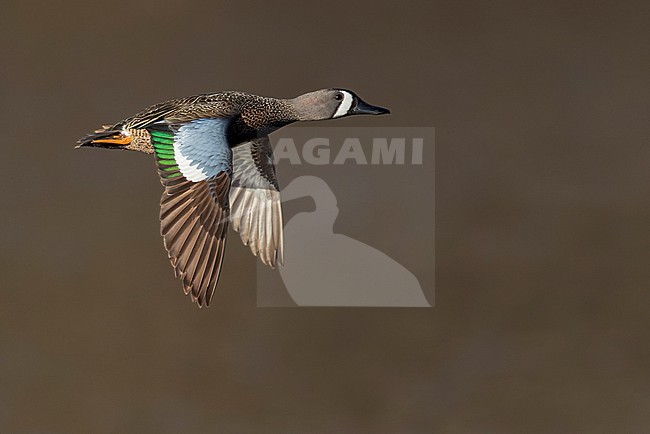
[216, 164]
[251, 116]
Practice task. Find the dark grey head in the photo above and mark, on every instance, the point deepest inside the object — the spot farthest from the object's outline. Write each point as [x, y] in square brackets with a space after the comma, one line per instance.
[332, 103]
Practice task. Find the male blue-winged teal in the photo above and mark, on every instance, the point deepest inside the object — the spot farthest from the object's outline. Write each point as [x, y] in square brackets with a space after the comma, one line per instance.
[215, 162]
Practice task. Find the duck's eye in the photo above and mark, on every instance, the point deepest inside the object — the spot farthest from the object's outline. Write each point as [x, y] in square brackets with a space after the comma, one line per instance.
[338, 96]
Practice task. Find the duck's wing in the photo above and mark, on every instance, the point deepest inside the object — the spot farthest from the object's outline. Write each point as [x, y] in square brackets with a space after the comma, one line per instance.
[255, 200]
[195, 167]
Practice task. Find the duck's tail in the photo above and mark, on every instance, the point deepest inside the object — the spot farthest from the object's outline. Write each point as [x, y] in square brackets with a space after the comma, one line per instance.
[106, 137]
[113, 137]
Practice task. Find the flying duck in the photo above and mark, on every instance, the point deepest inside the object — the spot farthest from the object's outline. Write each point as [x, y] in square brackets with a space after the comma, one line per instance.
[215, 162]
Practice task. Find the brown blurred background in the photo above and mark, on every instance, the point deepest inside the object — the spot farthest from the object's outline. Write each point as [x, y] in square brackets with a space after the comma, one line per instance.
[542, 211]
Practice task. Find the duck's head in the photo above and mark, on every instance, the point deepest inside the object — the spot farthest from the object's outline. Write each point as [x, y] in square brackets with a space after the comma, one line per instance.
[332, 103]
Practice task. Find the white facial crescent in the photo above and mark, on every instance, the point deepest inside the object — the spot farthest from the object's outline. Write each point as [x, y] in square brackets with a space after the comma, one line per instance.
[345, 104]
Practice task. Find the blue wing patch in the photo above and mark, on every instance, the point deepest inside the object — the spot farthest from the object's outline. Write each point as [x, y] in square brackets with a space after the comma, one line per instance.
[201, 148]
